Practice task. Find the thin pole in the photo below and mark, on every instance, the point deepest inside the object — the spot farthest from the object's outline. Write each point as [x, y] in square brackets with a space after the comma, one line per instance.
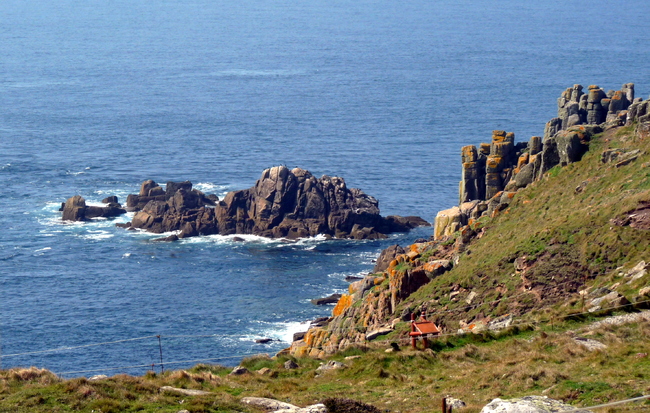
[162, 366]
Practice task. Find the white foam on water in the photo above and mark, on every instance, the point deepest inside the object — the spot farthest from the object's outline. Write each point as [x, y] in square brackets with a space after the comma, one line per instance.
[97, 235]
[126, 255]
[281, 331]
[342, 275]
[210, 188]
[43, 250]
[256, 73]
[229, 239]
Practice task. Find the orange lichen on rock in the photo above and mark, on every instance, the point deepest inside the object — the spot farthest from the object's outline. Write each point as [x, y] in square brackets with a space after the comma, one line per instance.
[493, 163]
[411, 255]
[523, 160]
[343, 304]
[379, 280]
[432, 266]
[417, 248]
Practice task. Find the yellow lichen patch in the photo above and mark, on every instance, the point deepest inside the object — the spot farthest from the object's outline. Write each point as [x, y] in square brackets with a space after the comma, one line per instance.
[393, 264]
[354, 287]
[343, 304]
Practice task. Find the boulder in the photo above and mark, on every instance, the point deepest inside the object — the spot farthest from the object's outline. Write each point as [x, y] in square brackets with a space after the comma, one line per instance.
[290, 365]
[447, 222]
[330, 365]
[269, 404]
[528, 404]
[589, 344]
[185, 392]
[75, 209]
[331, 299]
[454, 403]
[378, 332]
[238, 371]
[386, 256]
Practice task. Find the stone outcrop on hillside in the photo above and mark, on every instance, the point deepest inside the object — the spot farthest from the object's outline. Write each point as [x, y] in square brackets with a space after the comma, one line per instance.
[283, 203]
[492, 173]
[378, 297]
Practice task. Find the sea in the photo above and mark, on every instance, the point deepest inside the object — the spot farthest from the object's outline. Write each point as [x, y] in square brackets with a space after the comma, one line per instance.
[98, 96]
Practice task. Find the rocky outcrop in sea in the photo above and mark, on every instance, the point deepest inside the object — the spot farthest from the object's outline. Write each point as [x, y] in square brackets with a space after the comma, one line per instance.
[283, 204]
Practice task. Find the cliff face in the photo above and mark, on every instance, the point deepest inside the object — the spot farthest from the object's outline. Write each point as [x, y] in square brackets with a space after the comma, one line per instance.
[535, 229]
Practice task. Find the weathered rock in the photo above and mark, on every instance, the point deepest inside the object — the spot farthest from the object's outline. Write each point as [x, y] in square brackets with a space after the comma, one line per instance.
[283, 203]
[330, 365]
[527, 404]
[299, 336]
[595, 112]
[552, 127]
[455, 404]
[110, 200]
[472, 184]
[185, 392]
[378, 332]
[638, 271]
[589, 344]
[238, 371]
[331, 299]
[290, 365]
[75, 209]
[269, 404]
[612, 299]
[386, 257]
[448, 221]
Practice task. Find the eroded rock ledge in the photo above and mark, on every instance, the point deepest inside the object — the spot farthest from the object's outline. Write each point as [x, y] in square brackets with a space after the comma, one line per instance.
[283, 204]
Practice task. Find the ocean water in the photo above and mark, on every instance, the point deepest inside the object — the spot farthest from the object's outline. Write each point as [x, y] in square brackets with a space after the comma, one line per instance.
[98, 96]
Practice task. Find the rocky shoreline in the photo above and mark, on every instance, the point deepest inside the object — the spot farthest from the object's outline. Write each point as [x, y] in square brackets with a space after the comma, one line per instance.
[283, 203]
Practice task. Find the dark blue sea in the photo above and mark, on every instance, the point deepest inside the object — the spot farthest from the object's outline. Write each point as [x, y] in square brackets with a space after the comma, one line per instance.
[98, 96]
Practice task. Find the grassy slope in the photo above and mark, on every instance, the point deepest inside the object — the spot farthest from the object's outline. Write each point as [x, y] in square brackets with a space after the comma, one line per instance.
[567, 239]
[565, 235]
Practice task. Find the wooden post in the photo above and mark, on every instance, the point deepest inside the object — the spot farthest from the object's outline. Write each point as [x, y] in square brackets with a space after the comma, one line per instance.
[444, 405]
[413, 343]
